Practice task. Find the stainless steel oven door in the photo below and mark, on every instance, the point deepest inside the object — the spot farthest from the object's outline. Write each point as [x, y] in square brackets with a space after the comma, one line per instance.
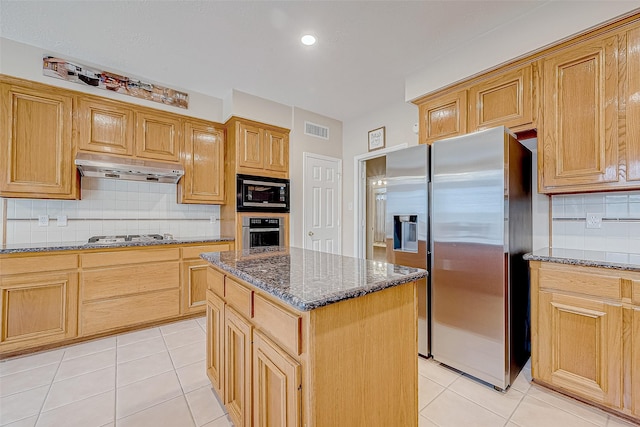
[262, 231]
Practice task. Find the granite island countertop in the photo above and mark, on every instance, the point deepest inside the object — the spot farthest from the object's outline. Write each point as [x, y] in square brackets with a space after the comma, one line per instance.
[308, 279]
[74, 246]
[615, 260]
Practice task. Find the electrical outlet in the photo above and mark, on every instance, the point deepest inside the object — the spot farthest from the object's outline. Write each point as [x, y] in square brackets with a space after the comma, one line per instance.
[61, 220]
[594, 220]
[43, 220]
[212, 219]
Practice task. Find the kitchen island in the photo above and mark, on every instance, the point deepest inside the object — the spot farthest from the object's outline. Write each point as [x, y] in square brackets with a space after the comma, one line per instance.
[298, 337]
[585, 326]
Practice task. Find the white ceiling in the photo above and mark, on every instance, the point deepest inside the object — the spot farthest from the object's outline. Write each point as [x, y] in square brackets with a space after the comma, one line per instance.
[365, 50]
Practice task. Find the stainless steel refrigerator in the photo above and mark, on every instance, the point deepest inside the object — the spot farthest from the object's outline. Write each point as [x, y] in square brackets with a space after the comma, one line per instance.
[480, 229]
[407, 221]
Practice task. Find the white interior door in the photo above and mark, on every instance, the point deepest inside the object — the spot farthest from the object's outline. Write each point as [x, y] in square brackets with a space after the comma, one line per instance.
[322, 201]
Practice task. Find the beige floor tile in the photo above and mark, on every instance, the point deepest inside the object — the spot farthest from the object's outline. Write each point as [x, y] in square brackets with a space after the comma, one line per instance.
[174, 412]
[89, 347]
[85, 364]
[193, 376]
[185, 337]
[535, 413]
[94, 411]
[497, 402]
[26, 380]
[145, 367]
[452, 410]
[437, 372]
[425, 422]
[619, 422]
[24, 363]
[137, 336]
[26, 422]
[178, 326]
[22, 405]
[427, 391]
[582, 410]
[223, 421]
[140, 349]
[522, 383]
[188, 354]
[81, 387]
[204, 405]
[202, 321]
[144, 394]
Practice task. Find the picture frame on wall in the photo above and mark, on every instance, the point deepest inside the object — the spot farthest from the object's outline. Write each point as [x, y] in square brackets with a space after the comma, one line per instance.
[376, 139]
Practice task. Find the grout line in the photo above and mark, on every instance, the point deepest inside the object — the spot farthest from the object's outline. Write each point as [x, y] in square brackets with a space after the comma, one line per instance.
[50, 386]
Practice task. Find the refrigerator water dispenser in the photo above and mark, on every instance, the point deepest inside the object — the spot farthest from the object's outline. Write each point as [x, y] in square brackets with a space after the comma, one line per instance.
[405, 233]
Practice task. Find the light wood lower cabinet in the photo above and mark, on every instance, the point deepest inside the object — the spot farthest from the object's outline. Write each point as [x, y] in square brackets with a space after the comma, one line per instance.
[585, 326]
[194, 276]
[287, 368]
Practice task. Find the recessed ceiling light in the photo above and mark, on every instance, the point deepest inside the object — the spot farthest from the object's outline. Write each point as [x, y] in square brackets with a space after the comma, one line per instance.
[308, 40]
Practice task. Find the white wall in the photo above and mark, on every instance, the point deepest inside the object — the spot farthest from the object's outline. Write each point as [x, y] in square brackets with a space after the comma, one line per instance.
[398, 120]
[253, 107]
[299, 143]
[25, 61]
[562, 18]
[110, 207]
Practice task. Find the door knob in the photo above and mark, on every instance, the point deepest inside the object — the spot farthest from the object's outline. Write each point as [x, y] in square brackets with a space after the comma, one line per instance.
[310, 233]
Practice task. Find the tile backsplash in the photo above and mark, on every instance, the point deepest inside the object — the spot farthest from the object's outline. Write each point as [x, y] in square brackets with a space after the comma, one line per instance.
[619, 230]
[110, 207]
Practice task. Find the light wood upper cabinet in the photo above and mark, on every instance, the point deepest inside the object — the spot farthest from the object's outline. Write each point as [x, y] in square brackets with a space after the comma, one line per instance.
[36, 142]
[203, 160]
[632, 106]
[443, 117]
[506, 100]
[105, 126]
[580, 138]
[261, 149]
[158, 135]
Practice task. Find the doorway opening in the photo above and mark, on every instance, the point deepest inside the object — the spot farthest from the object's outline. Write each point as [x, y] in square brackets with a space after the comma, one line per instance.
[376, 204]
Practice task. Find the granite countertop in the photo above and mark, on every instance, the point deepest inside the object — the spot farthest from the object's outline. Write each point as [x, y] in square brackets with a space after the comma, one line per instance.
[616, 260]
[308, 279]
[74, 246]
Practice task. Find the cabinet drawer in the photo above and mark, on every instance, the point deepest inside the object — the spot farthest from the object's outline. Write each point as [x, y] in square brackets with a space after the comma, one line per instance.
[35, 264]
[239, 297]
[580, 280]
[281, 324]
[195, 251]
[134, 279]
[215, 282]
[103, 315]
[122, 257]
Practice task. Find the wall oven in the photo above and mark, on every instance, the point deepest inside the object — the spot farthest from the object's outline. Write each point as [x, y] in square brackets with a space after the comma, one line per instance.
[262, 194]
[259, 232]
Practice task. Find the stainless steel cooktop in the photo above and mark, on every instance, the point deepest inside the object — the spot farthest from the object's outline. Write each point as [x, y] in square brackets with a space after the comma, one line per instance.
[109, 240]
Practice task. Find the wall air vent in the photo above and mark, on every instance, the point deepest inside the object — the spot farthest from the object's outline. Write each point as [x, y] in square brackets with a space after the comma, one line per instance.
[318, 131]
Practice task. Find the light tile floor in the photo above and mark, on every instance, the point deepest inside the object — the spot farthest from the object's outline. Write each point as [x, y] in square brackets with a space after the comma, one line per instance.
[156, 377]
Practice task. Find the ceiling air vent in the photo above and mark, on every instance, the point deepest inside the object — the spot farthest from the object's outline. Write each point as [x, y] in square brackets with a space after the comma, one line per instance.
[318, 131]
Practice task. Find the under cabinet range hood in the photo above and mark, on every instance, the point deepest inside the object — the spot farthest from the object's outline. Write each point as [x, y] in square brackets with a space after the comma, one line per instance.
[106, 166]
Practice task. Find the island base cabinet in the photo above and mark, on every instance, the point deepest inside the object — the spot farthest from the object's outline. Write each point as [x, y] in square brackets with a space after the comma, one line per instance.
[276, 385]
[237, 362]
[635, 363]
[215, 356]
[38, 309]
[581, 348]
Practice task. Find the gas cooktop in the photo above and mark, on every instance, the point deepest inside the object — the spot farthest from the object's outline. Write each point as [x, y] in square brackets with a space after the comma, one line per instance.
[109, 240]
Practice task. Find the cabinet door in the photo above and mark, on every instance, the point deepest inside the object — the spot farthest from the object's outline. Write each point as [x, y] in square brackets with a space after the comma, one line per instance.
[38, 309]
[237, 362]
[632, 142]
[105, 126]
[443, 117]
[276, 385]
[635, 362]
[36, 144]
[277, 152]
[158, 136]
[215, 342]
[580, 346]
[250, 147]
[505, 100]
[579, 133]
[194, 286]
[203, 158]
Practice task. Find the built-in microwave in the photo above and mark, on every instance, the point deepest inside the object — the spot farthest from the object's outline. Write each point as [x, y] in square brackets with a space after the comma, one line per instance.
[262, 194]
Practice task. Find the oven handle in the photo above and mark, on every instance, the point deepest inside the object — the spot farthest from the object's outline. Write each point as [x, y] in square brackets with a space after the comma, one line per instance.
[268, 184]
[261, 205]
[262, 230]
